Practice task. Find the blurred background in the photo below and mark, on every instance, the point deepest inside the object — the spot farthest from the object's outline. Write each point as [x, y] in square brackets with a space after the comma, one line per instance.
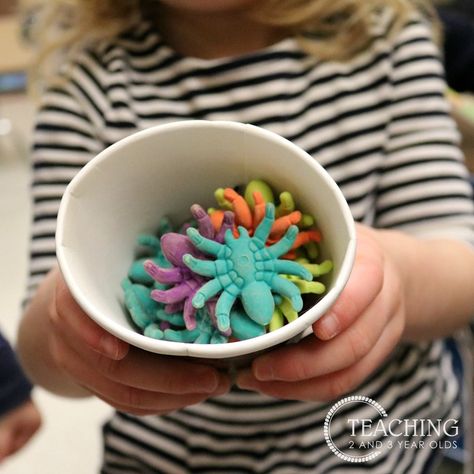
[69, 441]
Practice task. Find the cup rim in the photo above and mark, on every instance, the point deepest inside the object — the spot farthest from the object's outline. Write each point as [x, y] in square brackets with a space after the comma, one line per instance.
[300, 327]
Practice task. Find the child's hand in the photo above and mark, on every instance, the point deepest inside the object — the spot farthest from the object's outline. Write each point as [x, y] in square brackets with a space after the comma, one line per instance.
[127, 378]
[349, 342]
[17, 427]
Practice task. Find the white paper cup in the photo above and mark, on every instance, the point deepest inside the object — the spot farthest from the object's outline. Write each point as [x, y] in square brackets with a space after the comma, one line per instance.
[162, 171]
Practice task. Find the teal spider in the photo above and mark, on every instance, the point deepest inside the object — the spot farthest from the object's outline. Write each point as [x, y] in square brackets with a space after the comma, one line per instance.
[246, 268]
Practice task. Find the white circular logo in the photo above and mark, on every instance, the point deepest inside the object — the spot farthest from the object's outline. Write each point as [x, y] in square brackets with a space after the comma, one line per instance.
[327, 428]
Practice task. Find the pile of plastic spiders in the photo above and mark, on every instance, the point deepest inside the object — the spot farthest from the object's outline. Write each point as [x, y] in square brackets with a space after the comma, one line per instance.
[230, 273]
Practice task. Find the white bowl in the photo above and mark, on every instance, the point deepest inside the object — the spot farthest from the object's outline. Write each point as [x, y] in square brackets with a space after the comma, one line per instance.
[162, 171]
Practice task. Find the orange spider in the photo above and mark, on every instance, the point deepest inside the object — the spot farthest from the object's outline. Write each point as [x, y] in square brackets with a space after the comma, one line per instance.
[249, 219]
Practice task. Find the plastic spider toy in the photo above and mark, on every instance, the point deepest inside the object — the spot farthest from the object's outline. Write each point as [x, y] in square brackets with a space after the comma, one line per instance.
[171, 327]
[140, 306]
[246, 268]
[184, 283]
[249, 212]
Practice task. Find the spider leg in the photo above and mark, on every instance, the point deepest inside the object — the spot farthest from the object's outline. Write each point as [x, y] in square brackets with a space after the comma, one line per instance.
[258, 209]
[289, 267]
[286, 288]
[154, 331]
[243, 215]
[223, 307]
[262, 231]
[203, 338]
[206, 292]
[147, 240]
[217, 217]
[189, 314]
[163, 275]
[283, 223]
[137, 273]
[137, 300]
[229, 236]
[181, 335]
[284, 244]
[176, 319]
[319, 269]
[277, 320]
[206, 229]
[227, 223]
[307, 236]
[287, 310]
[173, 295]
[201, 267]
[203, 244]
[315, 287]
[243, 232]
[287, 204]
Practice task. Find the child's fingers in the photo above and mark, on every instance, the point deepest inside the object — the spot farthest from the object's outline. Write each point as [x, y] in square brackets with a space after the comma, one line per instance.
[178, 402]
[17, 427]
[312, 358]
[139, 369]
[124, 396]
[161, 373]
[364, 284]
[22, 436]
[68, 317]
[334, 385]
[78, 333]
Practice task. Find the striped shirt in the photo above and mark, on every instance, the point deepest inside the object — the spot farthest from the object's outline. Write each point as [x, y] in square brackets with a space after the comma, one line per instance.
[380, 126]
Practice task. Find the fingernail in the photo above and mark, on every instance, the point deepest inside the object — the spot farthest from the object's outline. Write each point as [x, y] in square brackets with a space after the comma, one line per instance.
[223, 386]
[328, 327]
[245, 379]
[208, 379]
[109, 346]
[264, 371]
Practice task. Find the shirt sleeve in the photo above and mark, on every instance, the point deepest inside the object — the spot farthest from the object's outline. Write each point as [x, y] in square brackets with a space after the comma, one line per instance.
[66, 137]
[423, 185]
[15, 388]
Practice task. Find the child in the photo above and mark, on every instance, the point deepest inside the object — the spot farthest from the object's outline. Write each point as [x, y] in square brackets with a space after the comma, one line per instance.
[19, 417]
[359, 86]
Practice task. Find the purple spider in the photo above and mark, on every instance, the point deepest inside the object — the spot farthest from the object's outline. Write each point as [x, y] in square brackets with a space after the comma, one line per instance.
[186, 282]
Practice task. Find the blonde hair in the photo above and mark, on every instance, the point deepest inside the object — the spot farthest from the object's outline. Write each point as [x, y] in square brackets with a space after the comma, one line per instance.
[330, 29]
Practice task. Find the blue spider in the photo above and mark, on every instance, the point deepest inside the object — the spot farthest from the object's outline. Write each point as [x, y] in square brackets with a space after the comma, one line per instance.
[245, 267]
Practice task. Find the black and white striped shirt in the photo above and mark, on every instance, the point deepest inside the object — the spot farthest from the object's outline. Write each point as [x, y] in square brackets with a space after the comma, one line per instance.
[379, 124]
